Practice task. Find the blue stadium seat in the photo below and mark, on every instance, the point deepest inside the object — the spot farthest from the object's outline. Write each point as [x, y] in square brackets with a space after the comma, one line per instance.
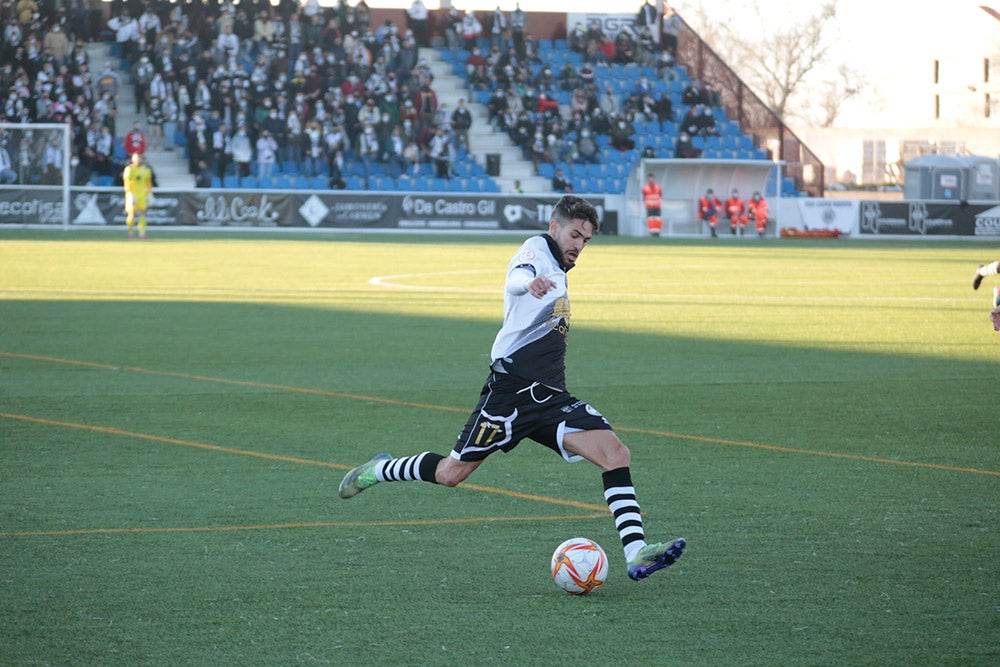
[248, 182]
[230, 182]
[265, 182]
[300, 183]
[283, 183]
[318, 183]
[546, 170]
[354, 183]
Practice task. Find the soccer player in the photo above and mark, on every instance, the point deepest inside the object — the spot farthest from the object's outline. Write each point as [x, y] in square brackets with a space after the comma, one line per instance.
[138, 181]
[525, 394]
[991, 269]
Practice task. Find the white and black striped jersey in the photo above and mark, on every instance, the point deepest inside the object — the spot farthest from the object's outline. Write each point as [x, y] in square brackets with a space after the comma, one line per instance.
[531, 343]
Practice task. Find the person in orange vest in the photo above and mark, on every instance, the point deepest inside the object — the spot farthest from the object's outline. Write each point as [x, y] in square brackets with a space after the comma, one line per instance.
[757, 209]
[736, 209]
[652, 199]
[708, 209]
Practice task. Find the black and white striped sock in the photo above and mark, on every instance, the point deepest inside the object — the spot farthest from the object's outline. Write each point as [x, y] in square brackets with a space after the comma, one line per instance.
[620, 496]
[418, 468]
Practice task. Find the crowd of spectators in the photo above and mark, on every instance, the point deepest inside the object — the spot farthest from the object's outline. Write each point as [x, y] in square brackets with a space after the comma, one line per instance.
[523, 90]
[246, 87]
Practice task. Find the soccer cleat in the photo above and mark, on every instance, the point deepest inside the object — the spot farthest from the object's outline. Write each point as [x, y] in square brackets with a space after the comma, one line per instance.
[996, 296]
[977, 280]
[653, 557]
[358, 479]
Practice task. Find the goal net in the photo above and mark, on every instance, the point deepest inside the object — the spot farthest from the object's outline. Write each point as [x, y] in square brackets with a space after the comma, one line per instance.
[36, 172]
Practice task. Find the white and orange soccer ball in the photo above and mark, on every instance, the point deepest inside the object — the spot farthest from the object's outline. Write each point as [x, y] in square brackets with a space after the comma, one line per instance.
[579, 565]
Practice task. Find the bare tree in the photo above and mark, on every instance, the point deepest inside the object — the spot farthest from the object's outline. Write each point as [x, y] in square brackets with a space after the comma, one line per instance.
[783, 60]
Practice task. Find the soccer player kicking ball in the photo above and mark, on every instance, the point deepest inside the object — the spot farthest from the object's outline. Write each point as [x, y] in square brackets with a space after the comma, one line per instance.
[990, 269]
[525, 394]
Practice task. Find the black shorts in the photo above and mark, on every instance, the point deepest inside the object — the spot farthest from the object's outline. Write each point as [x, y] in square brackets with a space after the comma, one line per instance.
[511, 409]
[652, 211]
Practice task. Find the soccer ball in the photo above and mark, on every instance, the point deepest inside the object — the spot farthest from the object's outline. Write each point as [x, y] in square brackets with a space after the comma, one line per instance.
[579, 565]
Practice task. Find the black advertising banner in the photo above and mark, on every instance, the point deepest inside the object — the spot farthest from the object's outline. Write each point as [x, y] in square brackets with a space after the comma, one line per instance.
[923, 218]
[31, 206]
[288, 208]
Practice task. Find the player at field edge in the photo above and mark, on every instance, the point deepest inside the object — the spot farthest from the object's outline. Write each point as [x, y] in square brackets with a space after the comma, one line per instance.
[525, 394]
[138, 181]
[991, 269]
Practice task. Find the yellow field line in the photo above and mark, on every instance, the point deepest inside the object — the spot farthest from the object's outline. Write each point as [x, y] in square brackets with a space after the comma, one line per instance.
[389, 401]
[312, 524]
[278, 457]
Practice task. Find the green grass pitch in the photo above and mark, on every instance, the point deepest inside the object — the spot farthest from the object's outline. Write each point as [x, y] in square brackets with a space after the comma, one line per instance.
[817, 418]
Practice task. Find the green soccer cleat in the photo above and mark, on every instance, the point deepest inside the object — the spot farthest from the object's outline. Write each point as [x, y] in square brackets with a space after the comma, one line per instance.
[653, 557]
[358, 479]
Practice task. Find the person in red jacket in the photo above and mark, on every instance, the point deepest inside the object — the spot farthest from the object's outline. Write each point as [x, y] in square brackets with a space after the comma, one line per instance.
[708, 209]
[736, 209]
[652, 199]
[135, 141]
[757, 210]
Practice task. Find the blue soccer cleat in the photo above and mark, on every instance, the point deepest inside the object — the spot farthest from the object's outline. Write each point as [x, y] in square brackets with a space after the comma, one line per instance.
[653, 557]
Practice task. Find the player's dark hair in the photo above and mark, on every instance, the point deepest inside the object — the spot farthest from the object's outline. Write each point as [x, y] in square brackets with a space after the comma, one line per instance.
[571, 207]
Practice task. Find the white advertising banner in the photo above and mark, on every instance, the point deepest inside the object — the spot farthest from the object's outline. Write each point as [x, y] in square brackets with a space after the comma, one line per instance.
[611, 24]
[839, 214]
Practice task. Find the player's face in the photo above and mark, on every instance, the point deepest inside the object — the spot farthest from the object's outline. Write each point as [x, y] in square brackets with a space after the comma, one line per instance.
[571, 238]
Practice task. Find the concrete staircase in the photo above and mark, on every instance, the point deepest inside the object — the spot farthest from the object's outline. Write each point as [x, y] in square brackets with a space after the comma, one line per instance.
[483, 139]
[170, 167]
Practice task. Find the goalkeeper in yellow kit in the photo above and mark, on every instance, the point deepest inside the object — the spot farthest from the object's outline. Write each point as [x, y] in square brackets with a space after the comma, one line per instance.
[138, 179]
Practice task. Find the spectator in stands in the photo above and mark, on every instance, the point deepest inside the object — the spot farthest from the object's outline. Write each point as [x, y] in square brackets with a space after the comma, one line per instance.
[545, 80]
[126, 31]
[706, 123]
[475, 60]
[368, 151]
[442, 153]
[222, 151]
[52, 162]
[154, 123]
[314, 149]
[203, 179]
[242, 151]
[589, 151]
[7, 173]
[577, 39]
[416, 17]
[694, 93]
[135, 141]
[684, 148]
[453, 29]
[624, 48]
[691, 123]
[663, 107]
[568, 77]
[621, 134]
[498, 28]
[538, 149]
[647, 14]
[560, 183]
[471, 30]
[643, 86]
[665, 66]
[56, 44]
[670, 27]
[518, 27]
[461, 122]
[267, 154]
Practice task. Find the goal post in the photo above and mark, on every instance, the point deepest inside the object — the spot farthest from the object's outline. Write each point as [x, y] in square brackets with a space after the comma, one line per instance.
[36, 176]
